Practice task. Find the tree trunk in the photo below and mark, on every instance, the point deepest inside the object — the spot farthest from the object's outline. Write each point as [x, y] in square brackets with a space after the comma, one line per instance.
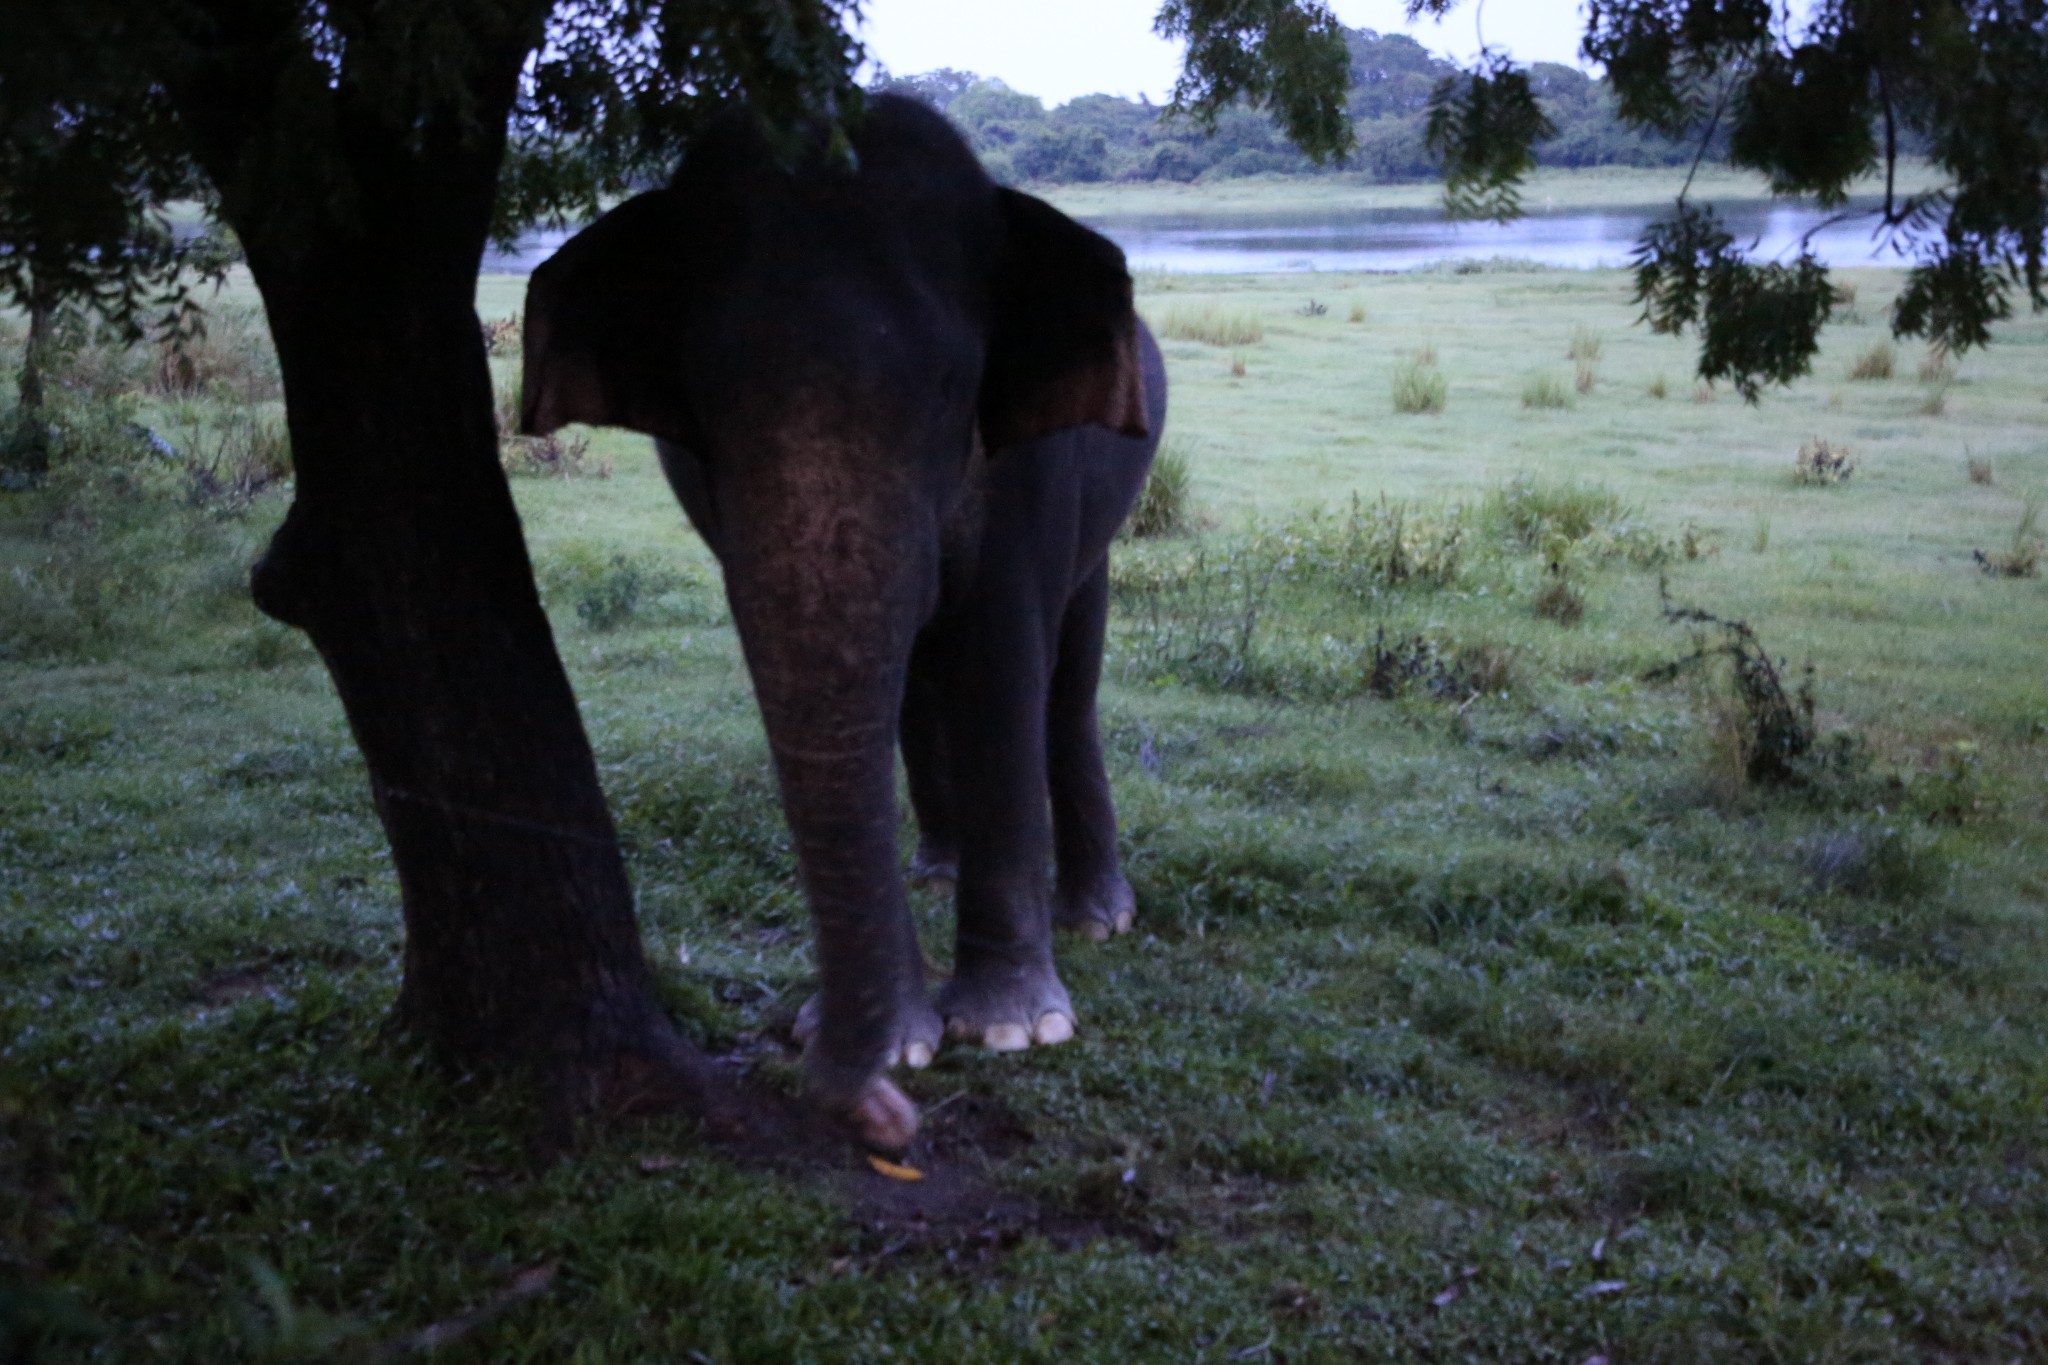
[30, 389]
[402, 558]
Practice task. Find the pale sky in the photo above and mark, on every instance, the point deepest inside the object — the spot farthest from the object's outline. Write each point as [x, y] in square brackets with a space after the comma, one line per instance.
[1057, 49]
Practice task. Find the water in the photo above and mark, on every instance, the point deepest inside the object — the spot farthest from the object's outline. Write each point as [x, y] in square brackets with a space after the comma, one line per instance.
[1401, 239]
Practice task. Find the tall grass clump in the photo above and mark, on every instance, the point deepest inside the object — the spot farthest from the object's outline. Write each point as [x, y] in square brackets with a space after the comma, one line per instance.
[1165, 505]
[1212, 325]
[1544, 391]
[1659, 389]
[230, 358]
[1820, 463]
[1419, 386]
[1585, 346]
[2021, 558]
[1876, 363]
[1584, 376]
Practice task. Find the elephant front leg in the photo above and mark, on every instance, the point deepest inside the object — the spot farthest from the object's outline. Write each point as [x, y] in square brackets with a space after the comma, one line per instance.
[1092, 895]
[1004, 992]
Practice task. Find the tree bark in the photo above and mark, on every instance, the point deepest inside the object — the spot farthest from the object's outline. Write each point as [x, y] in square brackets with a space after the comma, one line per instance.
[402, 558]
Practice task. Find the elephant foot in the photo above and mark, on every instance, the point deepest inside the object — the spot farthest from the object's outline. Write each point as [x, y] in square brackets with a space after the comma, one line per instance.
[1109, 908]
[1007, 1008]
[913, 1041]
[884, 1116]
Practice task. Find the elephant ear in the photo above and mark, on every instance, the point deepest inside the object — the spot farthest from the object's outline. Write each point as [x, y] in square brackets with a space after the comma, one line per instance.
[1063, 349]
[601, 337]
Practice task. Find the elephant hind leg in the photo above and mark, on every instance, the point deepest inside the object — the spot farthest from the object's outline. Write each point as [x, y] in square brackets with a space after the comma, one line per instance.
[1091, 894]
[929, 769]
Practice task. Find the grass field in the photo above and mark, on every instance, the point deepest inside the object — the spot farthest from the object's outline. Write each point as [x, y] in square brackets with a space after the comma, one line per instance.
[1480, 1008]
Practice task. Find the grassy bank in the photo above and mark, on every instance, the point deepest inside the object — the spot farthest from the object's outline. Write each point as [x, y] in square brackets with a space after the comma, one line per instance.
[1481, 1008]
[1547, 189]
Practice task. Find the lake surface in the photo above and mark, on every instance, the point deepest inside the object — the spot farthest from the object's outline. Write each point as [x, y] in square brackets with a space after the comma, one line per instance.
[1403, 239]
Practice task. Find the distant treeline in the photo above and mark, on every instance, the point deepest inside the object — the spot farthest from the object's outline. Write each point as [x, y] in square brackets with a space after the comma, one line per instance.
[1103, 137]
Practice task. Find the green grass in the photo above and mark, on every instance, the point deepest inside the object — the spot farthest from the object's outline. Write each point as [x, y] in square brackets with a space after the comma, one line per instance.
[1476, 1010]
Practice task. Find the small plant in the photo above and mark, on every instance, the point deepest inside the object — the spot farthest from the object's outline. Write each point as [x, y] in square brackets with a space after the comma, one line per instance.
[1558, 599]
[1401, 665]
[1821, 463]
[1979, 467]
[502, 335]
[1659, 390]
[1875, 363]
[1531, 514]
[1772, 728]
[1358, 312]
[230, 466]
[1313, 309]
[552, 457]
[1544, 391]
[1212, 326]
[1164, 505]
[1419, 386]
[1761, 540]
[1585, 346]
[2022, 558]
[1237, 366]
[1584, 377]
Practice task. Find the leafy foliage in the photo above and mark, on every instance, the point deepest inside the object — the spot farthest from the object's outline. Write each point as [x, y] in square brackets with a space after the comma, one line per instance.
[1287, 56]
[1812, 104]
[1484, 127]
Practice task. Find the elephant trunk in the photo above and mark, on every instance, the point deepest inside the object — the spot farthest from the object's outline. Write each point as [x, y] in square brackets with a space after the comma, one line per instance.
[828, 585]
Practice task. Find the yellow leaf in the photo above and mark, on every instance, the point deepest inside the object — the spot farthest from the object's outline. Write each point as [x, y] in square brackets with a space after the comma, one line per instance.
[893, 1171]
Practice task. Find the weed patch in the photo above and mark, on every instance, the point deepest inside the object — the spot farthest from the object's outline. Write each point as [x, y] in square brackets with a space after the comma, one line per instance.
[1820, 463]
[1773, 728]
[1876, 363]
[1544, 391]
[1165, 505]
[1419, 387]
[1212, 325]
[2022, 557]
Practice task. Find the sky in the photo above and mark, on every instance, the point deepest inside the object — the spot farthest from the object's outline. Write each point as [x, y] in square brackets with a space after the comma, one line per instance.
[1057, 49]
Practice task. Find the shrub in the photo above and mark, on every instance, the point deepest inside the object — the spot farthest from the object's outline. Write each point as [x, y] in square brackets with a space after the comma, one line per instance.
[551, 457]
[1544, 391]
[1821, 463]
[1416, 661]
[1528, 513]
[502, 336]
[611, 590]
[1584, 347]
[1772, 729]
[1313, 309]
[1419, 387]
[228, 467]
[1212, 325]
[1163, 507]
[230, 357]
[1875, 363]
[1558, 600]
[2021, 559]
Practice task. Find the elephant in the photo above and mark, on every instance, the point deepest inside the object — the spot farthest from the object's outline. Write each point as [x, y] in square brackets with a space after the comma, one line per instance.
[907, 409]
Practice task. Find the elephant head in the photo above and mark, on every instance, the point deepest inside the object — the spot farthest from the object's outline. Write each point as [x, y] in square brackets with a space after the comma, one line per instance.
[823, 350]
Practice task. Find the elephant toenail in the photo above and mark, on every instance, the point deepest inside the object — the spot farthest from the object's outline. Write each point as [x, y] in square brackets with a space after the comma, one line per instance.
[886, 1118]
[917, 1056]
[1053, 1027]
[1096, 930]
[1006, 1038]
[1124, 920]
